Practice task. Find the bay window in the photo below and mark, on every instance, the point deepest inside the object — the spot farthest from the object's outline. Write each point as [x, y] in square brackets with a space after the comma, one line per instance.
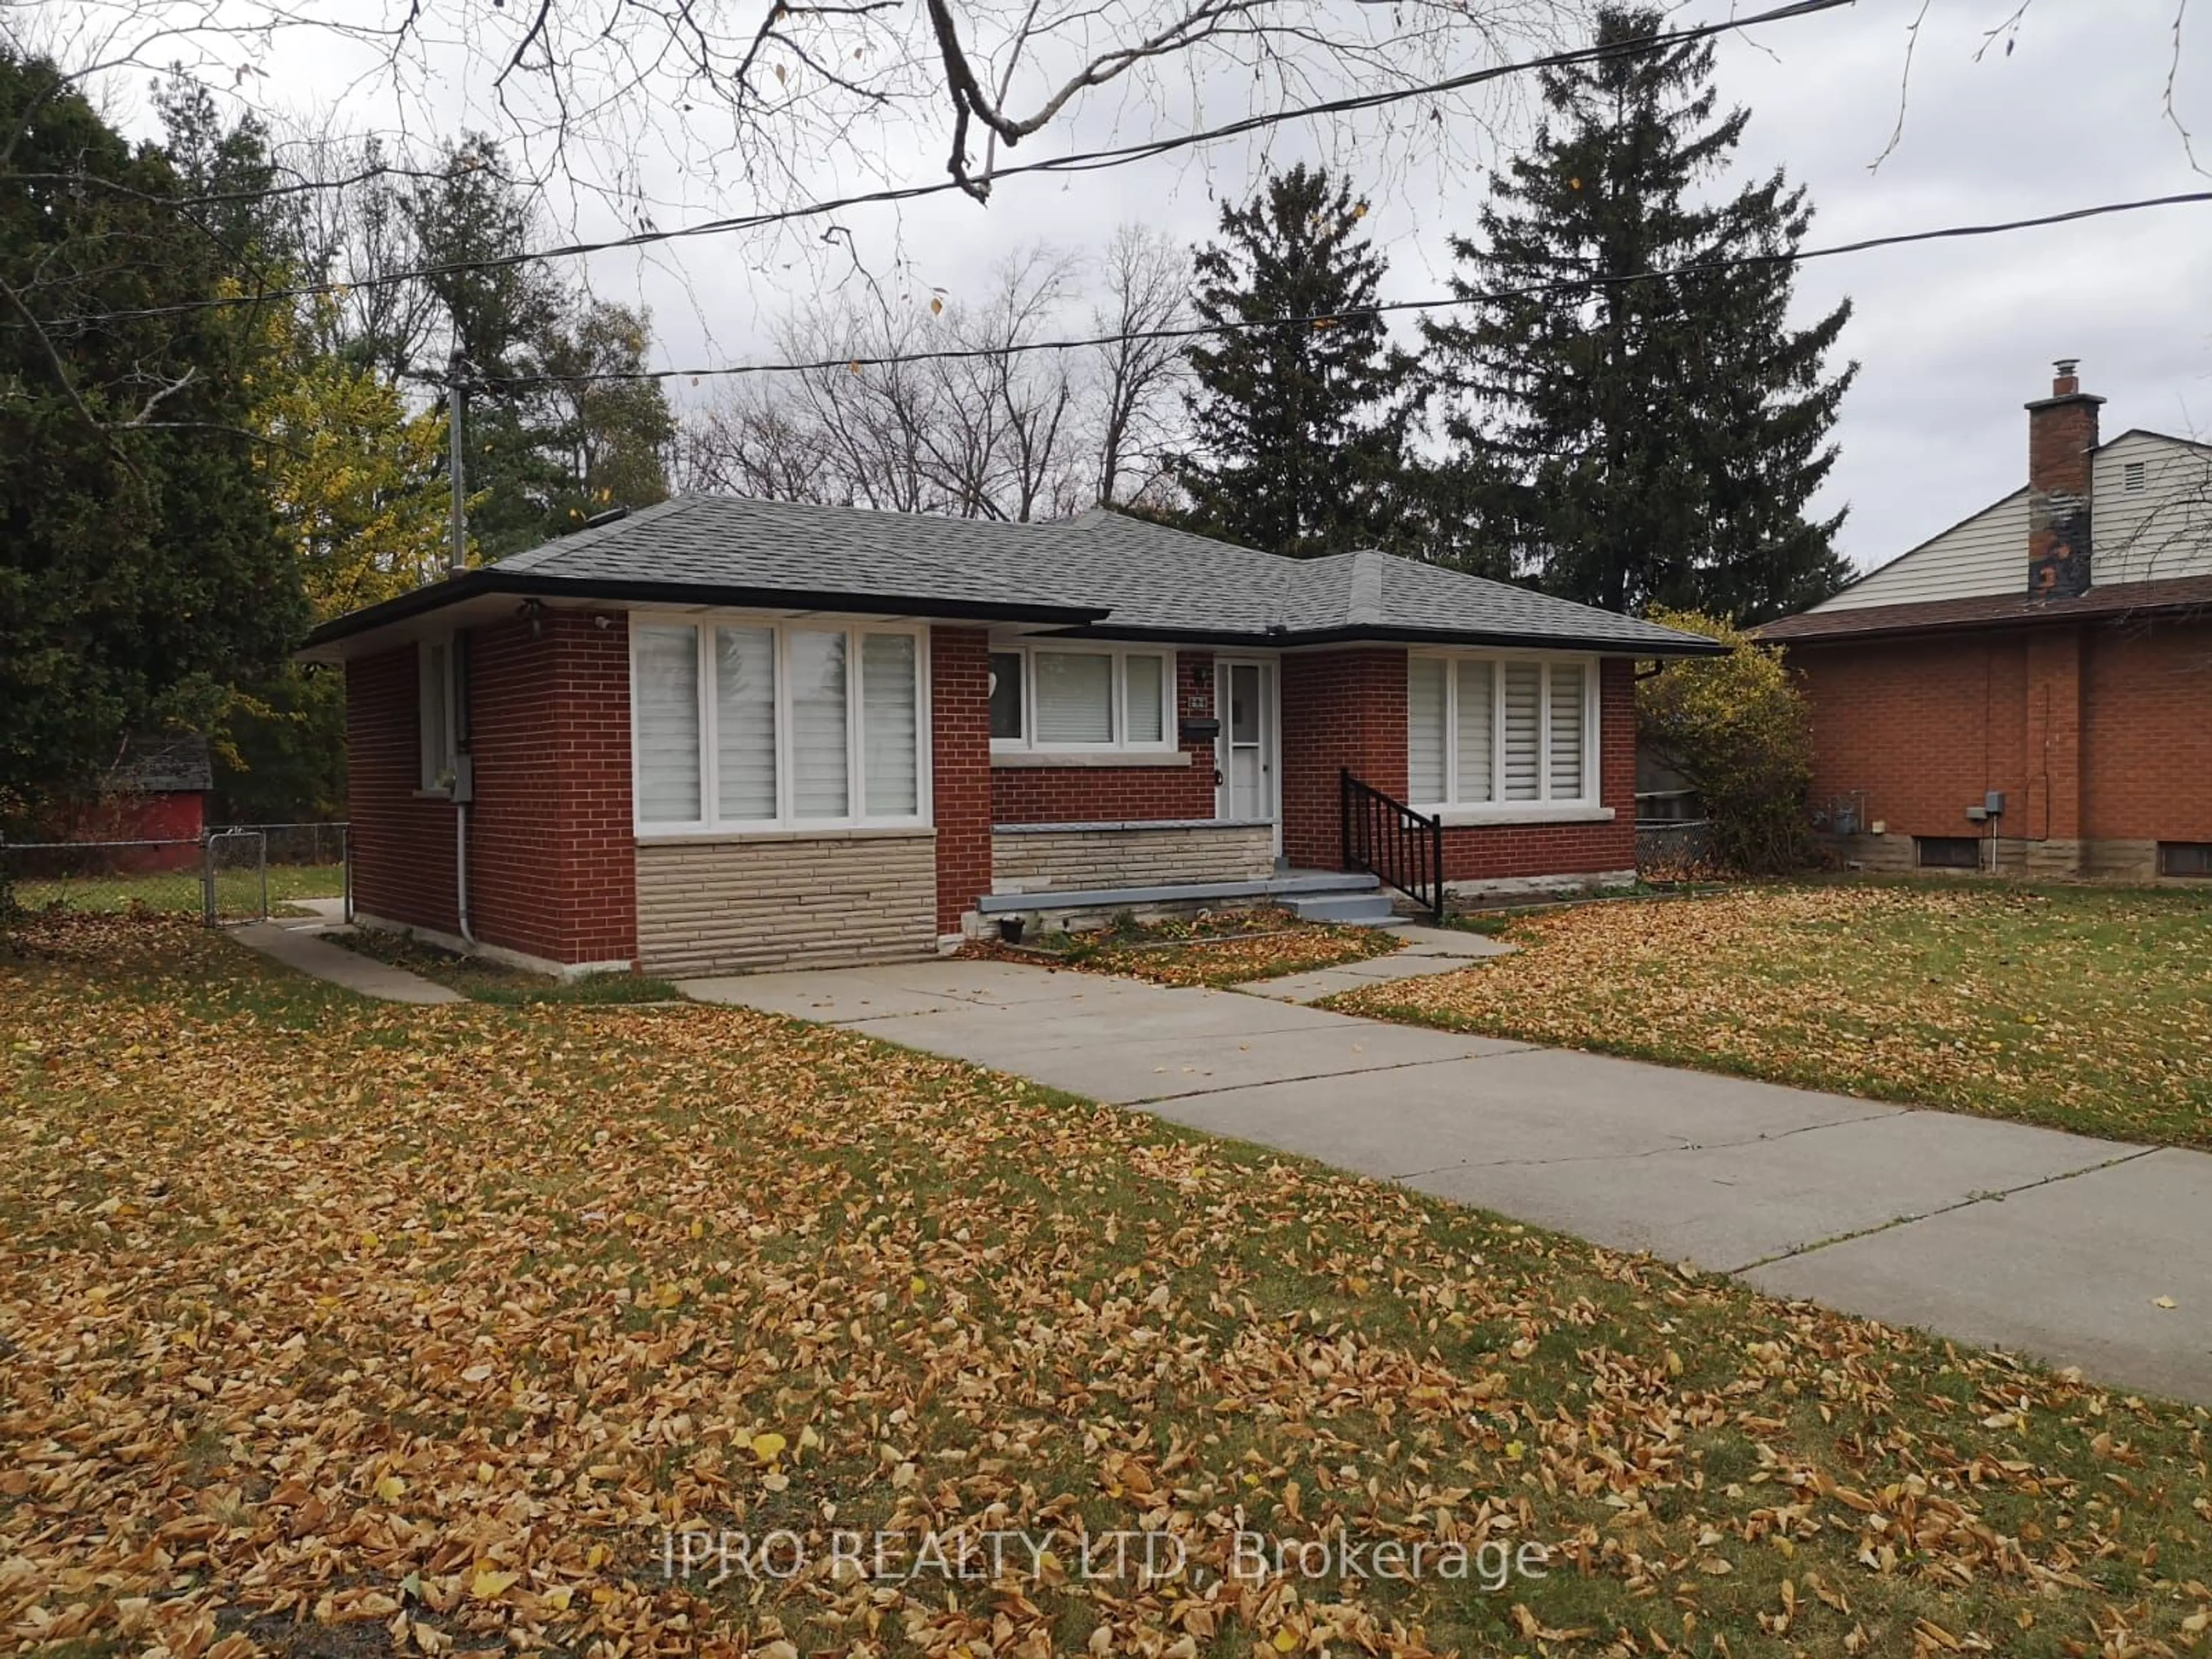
[756, 724]
[1501, 737]
[1046, 698]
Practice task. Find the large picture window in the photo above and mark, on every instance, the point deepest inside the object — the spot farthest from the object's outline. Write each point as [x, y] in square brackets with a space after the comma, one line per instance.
[1070, 697]
[751, 725]
[1500, 737]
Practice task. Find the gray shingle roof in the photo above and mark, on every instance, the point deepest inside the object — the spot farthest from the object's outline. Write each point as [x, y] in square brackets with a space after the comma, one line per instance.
[1103, 573]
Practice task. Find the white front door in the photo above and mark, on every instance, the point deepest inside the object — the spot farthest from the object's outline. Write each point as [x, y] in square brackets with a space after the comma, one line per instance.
[1244, 702]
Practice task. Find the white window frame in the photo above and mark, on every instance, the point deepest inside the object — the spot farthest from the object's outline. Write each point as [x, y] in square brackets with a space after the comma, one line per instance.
[711, 822]
[438, 752]
[1170, 739]
[1546, 806]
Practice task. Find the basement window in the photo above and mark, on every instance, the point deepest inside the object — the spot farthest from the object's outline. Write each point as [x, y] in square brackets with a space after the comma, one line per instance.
[2184, 858]
[2134, 476]
[1948, 852]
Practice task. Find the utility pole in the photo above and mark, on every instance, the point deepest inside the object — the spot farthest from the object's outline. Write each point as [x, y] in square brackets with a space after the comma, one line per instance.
[456, 405]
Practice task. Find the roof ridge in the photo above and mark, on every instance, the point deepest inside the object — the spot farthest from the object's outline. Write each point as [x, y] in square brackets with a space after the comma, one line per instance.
[587, 536]
[1364, 604]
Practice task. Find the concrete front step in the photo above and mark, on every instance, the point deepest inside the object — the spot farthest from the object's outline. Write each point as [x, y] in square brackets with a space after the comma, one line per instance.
[1352, 909]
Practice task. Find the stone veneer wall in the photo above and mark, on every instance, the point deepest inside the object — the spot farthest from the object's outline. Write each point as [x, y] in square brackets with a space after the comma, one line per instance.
[1060, 858]
[771, 901]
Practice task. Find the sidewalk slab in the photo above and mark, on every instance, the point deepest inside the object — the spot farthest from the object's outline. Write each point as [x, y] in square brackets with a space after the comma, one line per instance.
[2073, 1272]
[298, 947]
[1979, 1230]
[1422, 940]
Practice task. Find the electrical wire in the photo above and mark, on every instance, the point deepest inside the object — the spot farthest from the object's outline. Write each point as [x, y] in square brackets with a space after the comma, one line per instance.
[1579, 286]
[1082, 162]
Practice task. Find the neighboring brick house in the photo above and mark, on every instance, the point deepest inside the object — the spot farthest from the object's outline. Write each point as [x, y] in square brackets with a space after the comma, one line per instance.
[2030, 692]
[724, 734]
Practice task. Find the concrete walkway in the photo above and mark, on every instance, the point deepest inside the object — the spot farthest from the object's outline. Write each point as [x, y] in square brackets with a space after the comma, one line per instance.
[295, 944]
[2061, 1246]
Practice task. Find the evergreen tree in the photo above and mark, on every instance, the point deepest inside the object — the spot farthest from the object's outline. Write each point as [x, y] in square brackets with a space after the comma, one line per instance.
[141, 573]
[1299, 428]
[1652, 441]
[469, 225]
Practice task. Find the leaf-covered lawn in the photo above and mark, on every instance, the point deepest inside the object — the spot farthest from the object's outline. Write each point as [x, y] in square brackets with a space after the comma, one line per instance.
[2081, 1008]
[328, 1327]
[1221, 948]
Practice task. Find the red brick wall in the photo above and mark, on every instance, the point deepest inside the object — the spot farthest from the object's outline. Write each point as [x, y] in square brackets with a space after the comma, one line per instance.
[1926, 727]
[402, 845]
[2093, 733]
[1493, 852]
[551, 866]
[1347, 709]
[962, 784]
[1341, 708]
[1105, 794]
[2147, 734]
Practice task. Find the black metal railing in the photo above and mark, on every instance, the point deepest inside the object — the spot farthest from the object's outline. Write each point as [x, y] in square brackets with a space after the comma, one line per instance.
[1389, 839]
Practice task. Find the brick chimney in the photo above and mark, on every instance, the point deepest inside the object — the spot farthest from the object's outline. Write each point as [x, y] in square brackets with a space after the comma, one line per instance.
[2061, 446]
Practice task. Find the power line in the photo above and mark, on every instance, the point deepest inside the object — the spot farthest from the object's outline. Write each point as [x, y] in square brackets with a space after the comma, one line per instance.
[1082, 162]
[1540, 290]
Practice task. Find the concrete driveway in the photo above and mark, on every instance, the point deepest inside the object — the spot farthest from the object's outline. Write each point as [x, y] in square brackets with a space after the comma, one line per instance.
[1997, 1234]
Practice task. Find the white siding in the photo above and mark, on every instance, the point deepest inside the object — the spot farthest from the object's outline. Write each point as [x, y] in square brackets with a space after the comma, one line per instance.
[2163, 531]
[1987, 554]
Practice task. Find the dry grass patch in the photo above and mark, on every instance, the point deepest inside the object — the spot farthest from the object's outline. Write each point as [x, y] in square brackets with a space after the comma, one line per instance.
[338, 1327]
[2081, 1008]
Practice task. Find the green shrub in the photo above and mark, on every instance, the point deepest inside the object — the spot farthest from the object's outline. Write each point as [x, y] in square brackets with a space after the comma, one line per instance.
[1738, 730]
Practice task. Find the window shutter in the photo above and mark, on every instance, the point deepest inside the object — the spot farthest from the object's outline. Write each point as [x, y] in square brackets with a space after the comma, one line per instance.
[1074, 697]
[1477, 732]
[890, 780]
[1524, 699]
[1424, 730]
[818, 752]
[745, 722]
[1566, 731]
[1147, 705]
[667, 725]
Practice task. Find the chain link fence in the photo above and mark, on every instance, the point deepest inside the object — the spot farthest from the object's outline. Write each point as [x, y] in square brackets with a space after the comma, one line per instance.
[239, 872]
[1673, 849]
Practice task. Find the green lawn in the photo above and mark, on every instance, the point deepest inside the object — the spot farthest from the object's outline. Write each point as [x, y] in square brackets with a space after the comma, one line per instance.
[179, 891]
[332, 1327]
[482, 979]
[2083, 1008]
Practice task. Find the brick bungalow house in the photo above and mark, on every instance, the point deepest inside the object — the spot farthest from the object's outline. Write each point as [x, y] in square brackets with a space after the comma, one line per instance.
[722, 734]
[2031, 691]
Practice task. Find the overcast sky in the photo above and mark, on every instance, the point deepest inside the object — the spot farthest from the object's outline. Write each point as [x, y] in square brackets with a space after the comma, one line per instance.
[1952, 338]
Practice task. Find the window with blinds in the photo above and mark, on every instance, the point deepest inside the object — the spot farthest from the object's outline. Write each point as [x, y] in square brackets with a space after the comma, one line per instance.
[1491, 731]
[751, 726]
[1074, 697]
[667, 711]
[1044, 698]
[1427, 767]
